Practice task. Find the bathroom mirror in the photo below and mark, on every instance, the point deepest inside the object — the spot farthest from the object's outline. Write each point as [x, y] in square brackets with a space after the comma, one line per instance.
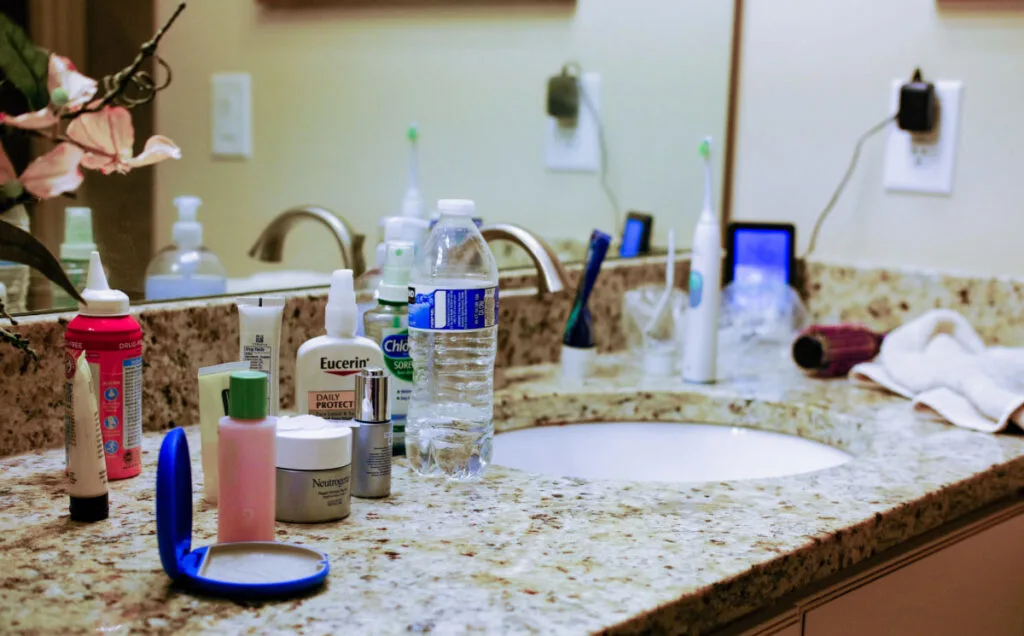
[333, 89]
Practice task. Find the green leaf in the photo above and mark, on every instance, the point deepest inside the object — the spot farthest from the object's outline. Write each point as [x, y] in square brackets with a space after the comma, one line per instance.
[21, 247]
[24, 64]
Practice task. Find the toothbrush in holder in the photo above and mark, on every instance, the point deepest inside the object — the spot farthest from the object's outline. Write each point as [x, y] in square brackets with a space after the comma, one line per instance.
[578, 350]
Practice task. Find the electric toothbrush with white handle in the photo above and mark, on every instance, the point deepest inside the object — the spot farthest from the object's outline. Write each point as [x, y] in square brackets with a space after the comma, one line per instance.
[700, 348]
[412, 203]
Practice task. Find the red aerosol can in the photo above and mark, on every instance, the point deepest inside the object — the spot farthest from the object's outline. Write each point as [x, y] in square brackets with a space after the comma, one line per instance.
[112, 342]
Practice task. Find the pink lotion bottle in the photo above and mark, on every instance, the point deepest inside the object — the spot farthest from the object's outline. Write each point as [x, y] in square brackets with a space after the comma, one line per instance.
[246, 457]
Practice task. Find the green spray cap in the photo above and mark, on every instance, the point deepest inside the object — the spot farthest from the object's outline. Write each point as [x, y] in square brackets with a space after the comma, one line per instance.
[248, 395]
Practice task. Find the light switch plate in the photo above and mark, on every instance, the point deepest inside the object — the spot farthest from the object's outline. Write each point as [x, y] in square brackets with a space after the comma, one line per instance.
[231, 117]
[576, 148]
[924, 164]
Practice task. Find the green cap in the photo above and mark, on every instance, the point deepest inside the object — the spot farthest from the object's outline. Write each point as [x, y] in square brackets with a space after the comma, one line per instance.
[248, 395]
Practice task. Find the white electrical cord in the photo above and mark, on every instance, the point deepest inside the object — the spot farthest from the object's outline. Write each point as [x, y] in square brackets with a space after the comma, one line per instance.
[842, 184]
[608, 191]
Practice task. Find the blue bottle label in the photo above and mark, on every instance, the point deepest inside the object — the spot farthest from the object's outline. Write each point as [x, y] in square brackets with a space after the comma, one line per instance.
[696, 289]
[442, 309]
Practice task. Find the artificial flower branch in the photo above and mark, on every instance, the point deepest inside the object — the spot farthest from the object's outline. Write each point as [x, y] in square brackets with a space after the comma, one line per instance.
[17, 340]
[116, 85]
[90, 132]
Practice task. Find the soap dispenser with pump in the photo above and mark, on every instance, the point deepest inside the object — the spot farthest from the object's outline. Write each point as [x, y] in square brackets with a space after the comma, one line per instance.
[185, 269]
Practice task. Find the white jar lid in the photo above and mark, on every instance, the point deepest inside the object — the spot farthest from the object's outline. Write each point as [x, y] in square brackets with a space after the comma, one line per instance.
[308, 442]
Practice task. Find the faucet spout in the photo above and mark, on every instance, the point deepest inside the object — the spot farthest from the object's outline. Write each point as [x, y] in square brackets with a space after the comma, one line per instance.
[269, 247]
[551, 276]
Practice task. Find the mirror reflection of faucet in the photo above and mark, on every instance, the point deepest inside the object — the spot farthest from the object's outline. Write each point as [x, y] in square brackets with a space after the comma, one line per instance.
[551, 276]
[269, 247]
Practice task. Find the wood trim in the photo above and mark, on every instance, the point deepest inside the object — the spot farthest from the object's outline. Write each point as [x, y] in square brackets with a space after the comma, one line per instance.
[300, 4]
[794, 606]
[926, 546]
[732, 114]
[59, 26]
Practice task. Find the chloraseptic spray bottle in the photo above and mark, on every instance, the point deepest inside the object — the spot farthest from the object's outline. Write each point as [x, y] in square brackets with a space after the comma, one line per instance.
[387, 324]
[700, 349]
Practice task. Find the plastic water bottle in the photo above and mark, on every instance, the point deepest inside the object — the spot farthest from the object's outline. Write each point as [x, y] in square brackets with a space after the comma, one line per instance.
[453, 337]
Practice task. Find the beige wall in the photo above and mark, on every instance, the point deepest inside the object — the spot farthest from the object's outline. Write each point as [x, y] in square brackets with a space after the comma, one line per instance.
[815, 74]
[334, 89]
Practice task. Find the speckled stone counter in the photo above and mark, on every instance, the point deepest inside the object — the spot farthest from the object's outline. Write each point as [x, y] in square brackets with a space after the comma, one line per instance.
[182, 336]
[523, 553]
[885, 298]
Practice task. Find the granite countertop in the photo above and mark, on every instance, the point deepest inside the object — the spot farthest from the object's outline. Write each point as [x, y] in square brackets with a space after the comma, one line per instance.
[524, 553]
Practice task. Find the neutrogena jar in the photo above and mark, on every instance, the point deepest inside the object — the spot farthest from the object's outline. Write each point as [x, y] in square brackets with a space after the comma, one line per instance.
[314, 470]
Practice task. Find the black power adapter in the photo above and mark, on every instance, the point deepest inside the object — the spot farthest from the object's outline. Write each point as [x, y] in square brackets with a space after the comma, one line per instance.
[918, 106]
[564, 94]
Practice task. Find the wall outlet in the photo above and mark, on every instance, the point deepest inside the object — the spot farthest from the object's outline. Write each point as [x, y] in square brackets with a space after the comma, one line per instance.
[231, 117]
[576, 148]
[924, 163]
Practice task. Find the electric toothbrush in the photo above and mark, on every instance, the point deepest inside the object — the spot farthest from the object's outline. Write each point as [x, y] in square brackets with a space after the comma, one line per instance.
[700, 348]
[412, 204]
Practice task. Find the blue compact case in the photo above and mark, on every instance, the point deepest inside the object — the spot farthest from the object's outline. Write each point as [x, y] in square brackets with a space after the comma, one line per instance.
[257, 569]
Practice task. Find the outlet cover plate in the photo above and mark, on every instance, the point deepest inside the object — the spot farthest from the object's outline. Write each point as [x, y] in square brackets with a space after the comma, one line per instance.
[576, 148]
[924, 164]
[232, 115]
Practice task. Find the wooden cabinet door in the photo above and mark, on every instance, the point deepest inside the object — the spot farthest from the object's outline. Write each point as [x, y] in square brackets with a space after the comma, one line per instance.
[974, 586]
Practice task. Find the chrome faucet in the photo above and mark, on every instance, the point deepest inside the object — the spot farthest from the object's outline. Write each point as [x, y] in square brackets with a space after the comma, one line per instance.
[551, 276]
[270, 245]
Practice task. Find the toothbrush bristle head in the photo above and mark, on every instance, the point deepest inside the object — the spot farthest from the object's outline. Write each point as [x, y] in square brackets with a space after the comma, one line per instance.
[705, 148]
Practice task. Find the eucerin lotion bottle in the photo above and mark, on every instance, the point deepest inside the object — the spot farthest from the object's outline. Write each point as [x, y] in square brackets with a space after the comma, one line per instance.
[326, 368]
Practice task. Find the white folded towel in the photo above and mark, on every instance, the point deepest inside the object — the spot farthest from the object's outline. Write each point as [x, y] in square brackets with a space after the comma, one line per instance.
[940, 362]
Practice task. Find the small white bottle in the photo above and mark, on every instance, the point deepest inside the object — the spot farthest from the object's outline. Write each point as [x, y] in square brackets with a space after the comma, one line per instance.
[78, 245]
[700, 348]
[326, 367]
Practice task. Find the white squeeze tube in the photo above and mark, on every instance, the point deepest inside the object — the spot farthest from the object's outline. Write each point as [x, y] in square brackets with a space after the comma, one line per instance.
[87, 469]
[213, 405]
[260, 340]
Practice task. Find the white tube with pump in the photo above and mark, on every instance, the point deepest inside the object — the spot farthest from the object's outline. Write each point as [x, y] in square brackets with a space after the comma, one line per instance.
[326, 366]
[260, 341]
[700, 348]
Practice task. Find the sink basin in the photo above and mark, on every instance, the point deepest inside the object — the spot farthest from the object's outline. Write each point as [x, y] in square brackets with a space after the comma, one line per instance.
[661, 451]
[284, 279]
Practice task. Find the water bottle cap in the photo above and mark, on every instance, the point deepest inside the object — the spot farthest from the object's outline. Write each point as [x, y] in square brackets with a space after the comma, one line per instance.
[460, 207]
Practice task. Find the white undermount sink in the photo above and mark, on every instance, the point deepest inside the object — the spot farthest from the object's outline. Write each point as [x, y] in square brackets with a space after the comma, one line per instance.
[284, 279]
[661, 451]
